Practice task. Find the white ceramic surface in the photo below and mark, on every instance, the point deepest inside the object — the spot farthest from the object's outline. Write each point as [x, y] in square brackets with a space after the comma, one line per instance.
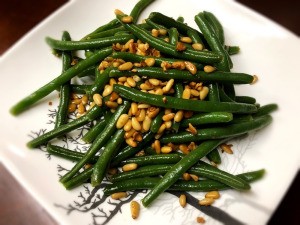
[267, 50]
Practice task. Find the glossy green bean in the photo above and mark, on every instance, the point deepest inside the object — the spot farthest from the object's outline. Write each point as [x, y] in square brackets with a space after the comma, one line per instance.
[265, 110]
[92, 134]
[207, 118]
[173, 36]
[153, 159]
[79, 179]
[138, 9]
[28, 101]
[216, 25]
[156, 122]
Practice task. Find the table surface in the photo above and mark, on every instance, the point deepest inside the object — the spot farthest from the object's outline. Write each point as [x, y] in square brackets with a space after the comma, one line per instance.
[18, 17]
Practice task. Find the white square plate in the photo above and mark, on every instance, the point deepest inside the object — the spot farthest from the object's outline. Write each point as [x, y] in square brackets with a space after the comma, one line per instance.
[267, 50]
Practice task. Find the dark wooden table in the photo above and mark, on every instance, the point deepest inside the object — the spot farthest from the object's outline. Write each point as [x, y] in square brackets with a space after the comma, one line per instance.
[17, 207]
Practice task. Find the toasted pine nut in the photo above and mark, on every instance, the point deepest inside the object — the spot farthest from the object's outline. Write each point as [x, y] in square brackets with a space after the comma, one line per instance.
[118, 195]
[178, 116]
[169, 85]
[156, 146]
[72, 107]
[166, 149]
[194, 177]
[131, 142]
[136, 78]
[155, 32]
[165, 65]
[129, 167]
[162, 32]
[192, 129]
[186, 93]
[138, 137]
[203, 93]
[168, 117]
[186, 176]
[209, 69]
[84, 100]
[111, 105]
[114, 96]
[125, 66]
[206, 201]
[200, 219]
[122, 79]
[146, 123]
[76, 101]
[178, 65]
[197, 46]
[131, 82]
[127, 126]
[129, 134]
[161, 128]
[119, 101]
[190, 67]
[127, 19]
[126, 84]
[135, 209]
[212, 194]
[135, 124]
[134, 108]
[184, 149]
[186, 40]
[152, 112]
[143, 106]
[159, 91]
[154, 81]
[146, 87]
[81, 108]
[195, 92]
[118, 12]
[107, 90]
[226, 148]
[180, 46]
[112, 81]
[192, 146]
[150, 61]
[182, 200]
[97, 99]
[123, 119]
[255, 79]
[168, 124]
[141, 115]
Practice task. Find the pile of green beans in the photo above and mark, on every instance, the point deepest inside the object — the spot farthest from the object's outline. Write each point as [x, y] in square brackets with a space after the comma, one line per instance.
[214, 120]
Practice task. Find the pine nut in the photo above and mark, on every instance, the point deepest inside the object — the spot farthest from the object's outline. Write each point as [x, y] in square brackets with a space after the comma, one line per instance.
[135, 209]
[156, 146]
[194, 177]
[97, 99]
[178, 116]
[197, 46]
[209, 69]
[127, 126]
[127, 19]
[119, 101]
[186, 176]
[143, 106]
[123, 119]
[161, 129]
[111, 105]
[81, 108]
[118, 195]
[169, 85]
[190, 67]
[195, 92]
[118, 12]
[200, 219]
[114, 96]
[146, 87]
[186, 93]
[182, 200]
[134, 108]
[76, 101]
[206, 201]
[168, 117]
[130, 141]
[72, 108]
[135, 124]
[122, 79]
[107, 90]
[168, 124]
[184, 149]
[192, 146]
[212, 194]
[178, 65]
[146, 123]
[154, 81]
[180, 46]
[203, 93]
[141, 115]
[131, 82]
[152, 112]
[165, 65]
[137, 137]
[136, 78]
[129, 167]
[125, 66]
[166, 149]
[159, 91]
[186, 40]
[129, 134]
[162, 32]
[192, 129]
[84, 100]
[226, 148]
[150, 61]
[154, 32]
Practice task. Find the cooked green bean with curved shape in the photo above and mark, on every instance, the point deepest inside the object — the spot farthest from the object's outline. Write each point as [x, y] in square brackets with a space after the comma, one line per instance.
[207, 118]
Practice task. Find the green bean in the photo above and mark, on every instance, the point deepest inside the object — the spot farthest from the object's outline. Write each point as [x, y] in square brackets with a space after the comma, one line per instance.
[245, 99]
[80, 88]
[138, 8]
[91, 135]
[164, 47]
[101, 79]
[207, 118]
[214, 156]
[173, 36]
[200, 76]
[266, 109]
[180, 19]
[79, 179]
[87, 72]
[218, 132]
[224, 97]
[156, 122]
[94, 113]
[154, 25]
[62, 112]
[178, 87]
[179, 168]
[203, 185]
[102, 138]
[105, 157]
[216, 25]
[88, 44]
[194, 35]
[153, 159]
[28, 101]
[232, 50]
[110, 25]
[213, 94]
[106, 33]
[67, 154]
[185, 104]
